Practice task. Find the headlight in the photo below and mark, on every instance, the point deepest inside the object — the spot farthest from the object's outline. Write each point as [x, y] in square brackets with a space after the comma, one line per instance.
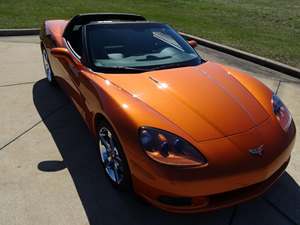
[281, 112]
[168, 148]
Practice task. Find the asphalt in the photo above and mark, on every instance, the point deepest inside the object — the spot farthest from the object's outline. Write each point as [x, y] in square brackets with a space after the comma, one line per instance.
[49, 173]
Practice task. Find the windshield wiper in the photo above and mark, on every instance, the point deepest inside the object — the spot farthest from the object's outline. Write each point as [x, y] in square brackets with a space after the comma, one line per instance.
[122, 68]
[173, 65]
[129, 68]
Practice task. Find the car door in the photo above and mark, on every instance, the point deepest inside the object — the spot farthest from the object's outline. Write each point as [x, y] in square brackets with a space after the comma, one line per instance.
[82, 91]
[91, 102]
[73, 83]
[69, 73]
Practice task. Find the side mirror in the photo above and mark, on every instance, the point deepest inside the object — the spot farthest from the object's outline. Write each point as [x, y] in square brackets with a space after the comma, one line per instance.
[193, 43]
[61, 53]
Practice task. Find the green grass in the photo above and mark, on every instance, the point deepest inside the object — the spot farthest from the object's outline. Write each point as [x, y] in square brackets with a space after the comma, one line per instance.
[264, 27]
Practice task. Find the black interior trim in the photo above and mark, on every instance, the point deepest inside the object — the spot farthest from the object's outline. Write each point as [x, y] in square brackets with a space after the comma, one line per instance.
[85, 59]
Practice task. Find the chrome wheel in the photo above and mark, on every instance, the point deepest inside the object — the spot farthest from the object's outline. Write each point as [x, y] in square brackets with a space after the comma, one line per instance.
[47, 65]
[110, 156]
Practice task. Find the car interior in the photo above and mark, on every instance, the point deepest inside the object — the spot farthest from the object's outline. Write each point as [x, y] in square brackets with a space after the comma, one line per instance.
[73, 31]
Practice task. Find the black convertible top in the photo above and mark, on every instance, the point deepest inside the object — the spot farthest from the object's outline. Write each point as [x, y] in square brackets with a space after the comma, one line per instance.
[83, 19]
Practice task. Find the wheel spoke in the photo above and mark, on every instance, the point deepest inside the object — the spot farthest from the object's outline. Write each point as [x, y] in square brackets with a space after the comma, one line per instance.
[107, 163]
[112, 145]
[116, 173]
[118, 161]
[105, 143]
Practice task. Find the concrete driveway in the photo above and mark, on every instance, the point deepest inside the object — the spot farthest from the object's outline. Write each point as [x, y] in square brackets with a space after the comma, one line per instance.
[49, 173]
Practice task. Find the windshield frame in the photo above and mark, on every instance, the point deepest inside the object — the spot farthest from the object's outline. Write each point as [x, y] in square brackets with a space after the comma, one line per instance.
[127, 69]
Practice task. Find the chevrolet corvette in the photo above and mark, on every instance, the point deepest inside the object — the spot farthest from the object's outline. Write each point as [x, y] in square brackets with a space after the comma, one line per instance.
[186, 134]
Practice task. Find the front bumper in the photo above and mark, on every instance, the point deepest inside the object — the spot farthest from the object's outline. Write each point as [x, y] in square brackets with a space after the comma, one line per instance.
[211, 202]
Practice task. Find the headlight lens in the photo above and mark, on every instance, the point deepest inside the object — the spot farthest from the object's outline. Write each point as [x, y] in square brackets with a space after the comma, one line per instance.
[168, 148]
[281, 112]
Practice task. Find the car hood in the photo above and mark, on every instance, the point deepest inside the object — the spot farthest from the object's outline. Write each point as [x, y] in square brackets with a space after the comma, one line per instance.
[205, 101]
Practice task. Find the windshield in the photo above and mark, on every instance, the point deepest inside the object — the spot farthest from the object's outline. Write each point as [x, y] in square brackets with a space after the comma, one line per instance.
[139, 46]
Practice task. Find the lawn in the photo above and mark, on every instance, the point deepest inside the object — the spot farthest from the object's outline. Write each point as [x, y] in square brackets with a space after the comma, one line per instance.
[264, 27]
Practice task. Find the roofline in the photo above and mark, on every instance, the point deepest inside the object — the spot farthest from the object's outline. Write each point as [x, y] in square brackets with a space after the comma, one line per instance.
[89, 17]
[124, 22]
[121, 16]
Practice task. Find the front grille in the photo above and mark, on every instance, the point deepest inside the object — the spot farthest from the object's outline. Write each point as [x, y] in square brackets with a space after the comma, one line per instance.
[247, 191]
[175, 201]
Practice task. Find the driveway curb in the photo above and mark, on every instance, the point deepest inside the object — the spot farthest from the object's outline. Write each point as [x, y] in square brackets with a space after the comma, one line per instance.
[292, 71]
[19, 32]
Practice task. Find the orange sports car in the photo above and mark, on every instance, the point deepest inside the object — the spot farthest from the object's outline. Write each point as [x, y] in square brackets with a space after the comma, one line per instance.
[186, 134]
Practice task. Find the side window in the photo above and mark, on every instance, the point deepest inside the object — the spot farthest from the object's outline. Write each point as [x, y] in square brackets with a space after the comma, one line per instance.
[75, 39]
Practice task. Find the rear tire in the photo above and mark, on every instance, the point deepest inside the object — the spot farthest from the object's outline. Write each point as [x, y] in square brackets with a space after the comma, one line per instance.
[112, 157]
[47, 67]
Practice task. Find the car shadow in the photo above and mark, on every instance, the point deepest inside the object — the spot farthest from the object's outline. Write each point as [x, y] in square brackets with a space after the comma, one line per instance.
[102, 203]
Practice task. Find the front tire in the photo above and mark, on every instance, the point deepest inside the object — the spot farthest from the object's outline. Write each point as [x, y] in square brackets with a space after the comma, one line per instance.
[112, 157]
